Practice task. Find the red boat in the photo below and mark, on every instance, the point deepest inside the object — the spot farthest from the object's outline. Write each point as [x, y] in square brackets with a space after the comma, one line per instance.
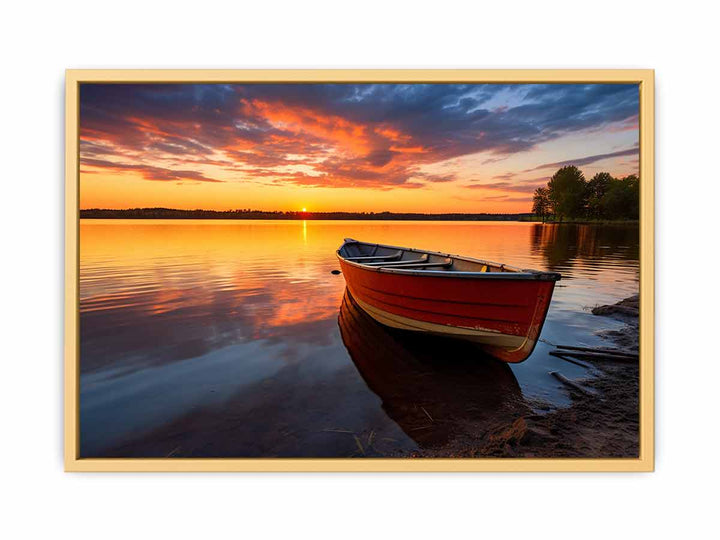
[499, 307]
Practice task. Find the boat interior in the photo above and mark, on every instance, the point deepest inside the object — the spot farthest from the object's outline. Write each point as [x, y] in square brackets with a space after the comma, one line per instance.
[382, 256]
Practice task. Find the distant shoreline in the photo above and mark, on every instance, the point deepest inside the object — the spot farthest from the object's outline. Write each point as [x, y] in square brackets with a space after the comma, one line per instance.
[169, 213]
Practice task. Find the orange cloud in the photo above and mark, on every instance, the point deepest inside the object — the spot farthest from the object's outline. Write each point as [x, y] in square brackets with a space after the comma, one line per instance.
[342, 133]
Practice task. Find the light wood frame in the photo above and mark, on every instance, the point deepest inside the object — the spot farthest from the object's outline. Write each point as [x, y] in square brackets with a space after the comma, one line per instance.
[645, 80]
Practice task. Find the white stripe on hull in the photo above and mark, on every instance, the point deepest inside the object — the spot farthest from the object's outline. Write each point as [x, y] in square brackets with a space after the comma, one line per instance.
[476, 335]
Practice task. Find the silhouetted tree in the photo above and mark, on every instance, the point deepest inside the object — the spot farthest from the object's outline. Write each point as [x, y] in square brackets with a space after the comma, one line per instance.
[622, 199]
[541, 203]
[567, 191]
[596, 189]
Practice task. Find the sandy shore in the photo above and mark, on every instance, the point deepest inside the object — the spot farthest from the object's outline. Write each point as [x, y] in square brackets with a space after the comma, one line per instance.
[600, 423]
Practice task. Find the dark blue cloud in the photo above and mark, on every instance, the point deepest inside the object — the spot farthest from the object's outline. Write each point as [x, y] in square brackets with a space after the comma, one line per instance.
[445, 120]
[586, 160]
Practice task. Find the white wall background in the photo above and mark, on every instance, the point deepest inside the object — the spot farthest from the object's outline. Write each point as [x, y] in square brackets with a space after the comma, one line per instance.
[38, 42]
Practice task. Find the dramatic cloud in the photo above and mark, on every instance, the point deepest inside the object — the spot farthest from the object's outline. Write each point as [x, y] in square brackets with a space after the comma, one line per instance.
[380, 136]
[518, 186]
[587, 160]
[148, 172]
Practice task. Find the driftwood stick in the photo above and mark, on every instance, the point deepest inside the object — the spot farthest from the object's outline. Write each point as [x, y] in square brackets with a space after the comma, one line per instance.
[557, 354]
[598, 356]
[427, 413]
[604, 350]
[563, 379]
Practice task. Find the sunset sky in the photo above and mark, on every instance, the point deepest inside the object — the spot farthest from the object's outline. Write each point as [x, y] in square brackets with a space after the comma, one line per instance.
[347, 147]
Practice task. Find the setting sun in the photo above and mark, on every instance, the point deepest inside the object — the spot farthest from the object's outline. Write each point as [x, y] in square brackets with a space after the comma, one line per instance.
[304, 209]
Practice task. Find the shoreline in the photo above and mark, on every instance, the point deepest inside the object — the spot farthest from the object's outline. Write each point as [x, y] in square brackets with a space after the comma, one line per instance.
[246, 214]
[602, 420]
[431, 219]
[586, 222]
[242, 215]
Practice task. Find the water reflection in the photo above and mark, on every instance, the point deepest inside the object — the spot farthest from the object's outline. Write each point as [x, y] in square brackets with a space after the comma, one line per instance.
[432, 387]
[157, 293]
[560, 244]
[221, 338]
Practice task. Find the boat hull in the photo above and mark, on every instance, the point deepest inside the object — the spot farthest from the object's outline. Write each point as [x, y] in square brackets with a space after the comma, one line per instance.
[504, 316]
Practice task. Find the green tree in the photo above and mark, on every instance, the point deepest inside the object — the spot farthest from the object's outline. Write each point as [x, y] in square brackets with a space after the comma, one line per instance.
[567, 191]
[541, 203]
[596, 189]
[622, 199]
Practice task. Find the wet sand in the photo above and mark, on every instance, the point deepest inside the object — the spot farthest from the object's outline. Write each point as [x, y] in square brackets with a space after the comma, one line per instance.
[600, 423]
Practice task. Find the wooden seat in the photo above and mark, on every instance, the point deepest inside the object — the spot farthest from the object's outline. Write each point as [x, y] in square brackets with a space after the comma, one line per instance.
[447, 263]
[419, 263]
[422, 259]
[392, 257]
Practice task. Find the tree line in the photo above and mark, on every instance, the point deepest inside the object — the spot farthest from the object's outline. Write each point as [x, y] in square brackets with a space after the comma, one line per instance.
[569, 196]
[171, 213]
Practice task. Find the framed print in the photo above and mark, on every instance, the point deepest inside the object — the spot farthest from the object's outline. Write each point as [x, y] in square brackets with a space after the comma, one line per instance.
[359, 270]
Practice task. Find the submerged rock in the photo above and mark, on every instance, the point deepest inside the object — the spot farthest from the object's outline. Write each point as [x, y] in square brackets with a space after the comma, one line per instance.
[628, 311]
[630, 307]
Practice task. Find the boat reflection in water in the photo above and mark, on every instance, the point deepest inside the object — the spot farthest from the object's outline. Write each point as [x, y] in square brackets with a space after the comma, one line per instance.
[433, 388]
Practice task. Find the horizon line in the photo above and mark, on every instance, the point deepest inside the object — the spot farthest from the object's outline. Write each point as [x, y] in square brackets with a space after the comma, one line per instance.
[307, 212]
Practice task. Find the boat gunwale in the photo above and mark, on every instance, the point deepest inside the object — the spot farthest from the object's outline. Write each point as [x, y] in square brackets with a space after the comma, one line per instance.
[515, 273]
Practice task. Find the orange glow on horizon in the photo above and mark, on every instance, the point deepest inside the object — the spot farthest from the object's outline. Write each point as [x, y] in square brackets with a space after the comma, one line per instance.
[131, 190]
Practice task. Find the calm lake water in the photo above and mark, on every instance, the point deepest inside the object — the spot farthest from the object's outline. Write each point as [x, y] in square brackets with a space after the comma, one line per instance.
[232, 338]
